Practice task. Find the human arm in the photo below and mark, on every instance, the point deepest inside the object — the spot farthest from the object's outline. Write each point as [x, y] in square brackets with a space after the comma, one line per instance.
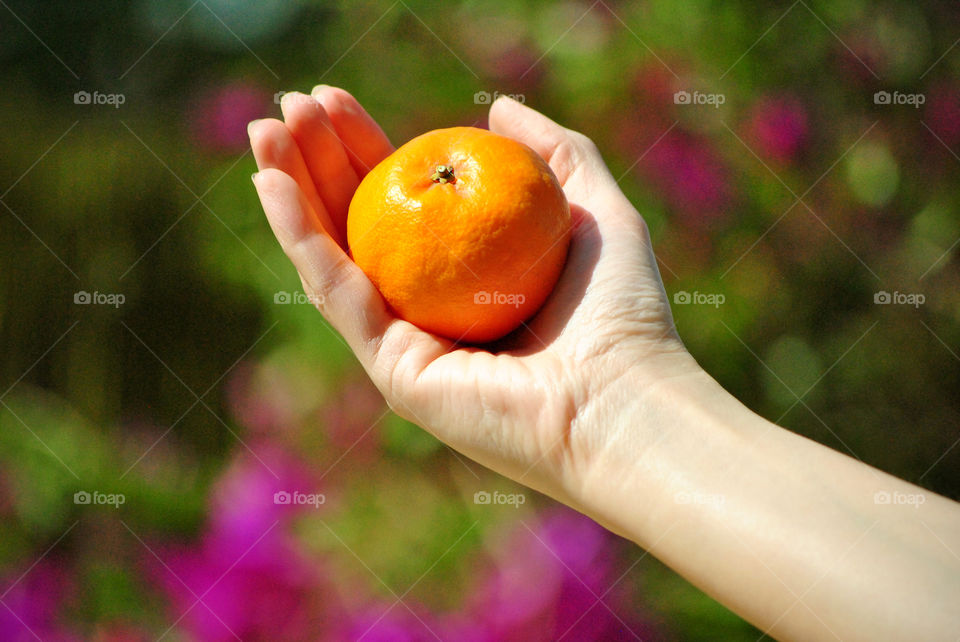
[597, 403]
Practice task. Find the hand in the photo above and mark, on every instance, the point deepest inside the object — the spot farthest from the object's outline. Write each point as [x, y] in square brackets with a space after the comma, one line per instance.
[534, 405]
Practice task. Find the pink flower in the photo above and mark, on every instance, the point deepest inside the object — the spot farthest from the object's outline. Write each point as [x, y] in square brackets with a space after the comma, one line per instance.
[31, 608]
[348, 416]
[547, 581]
[778, 129]
[381, 623]
[943, 113]
[691, 177]
[519, 69]
[272, 592]
[219, 116]
[860, 54]
[256, 491]
[252, 577]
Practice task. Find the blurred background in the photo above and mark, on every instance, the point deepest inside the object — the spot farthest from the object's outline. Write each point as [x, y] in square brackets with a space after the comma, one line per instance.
[187, 450]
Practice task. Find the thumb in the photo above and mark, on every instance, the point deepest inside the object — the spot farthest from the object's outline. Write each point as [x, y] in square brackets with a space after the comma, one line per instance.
[572, 156]
[562, 148]
[579, 167]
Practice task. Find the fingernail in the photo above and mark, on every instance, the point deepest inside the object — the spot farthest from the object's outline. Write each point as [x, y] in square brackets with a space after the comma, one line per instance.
[254, 177]
[289, 97]
[251, 125]
[315, 92]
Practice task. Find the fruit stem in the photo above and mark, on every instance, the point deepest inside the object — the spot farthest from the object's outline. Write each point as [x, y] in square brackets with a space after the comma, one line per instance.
[444, 174]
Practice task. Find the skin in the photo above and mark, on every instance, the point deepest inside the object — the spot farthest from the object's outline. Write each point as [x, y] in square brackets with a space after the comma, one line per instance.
[598, 404]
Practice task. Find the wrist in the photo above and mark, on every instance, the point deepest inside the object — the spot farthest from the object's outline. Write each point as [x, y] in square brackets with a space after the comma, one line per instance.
[654, 432]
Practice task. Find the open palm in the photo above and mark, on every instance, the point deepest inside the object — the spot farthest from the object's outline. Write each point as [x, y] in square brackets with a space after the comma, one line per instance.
[515, 405]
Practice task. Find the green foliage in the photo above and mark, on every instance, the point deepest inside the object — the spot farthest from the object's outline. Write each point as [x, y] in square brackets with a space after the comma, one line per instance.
[102, 199]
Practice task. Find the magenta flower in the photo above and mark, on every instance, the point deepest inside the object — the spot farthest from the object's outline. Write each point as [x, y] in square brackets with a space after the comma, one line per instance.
[861, 56]
[348, 416]
[943, 113]
[219, 116]
[381, 623]
[31, 608]
[519, 69]
[252, 577]
[273, 592]
[778, 129]
[256, 491]
[547, 582]
[691, 178]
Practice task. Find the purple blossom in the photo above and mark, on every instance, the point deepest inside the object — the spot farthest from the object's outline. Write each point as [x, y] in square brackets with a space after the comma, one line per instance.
[252, 576]
[31, 608]
[519, 68]
[691, 177]
[778, 128]
[220, 116]
[383, 623]
[547, 582]
[943, 113]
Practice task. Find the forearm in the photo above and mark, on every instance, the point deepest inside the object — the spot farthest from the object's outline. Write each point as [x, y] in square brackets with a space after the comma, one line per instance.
[782, 530]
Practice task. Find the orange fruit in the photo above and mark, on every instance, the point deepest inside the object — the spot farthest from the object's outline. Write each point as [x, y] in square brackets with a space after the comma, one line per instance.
[463, 231]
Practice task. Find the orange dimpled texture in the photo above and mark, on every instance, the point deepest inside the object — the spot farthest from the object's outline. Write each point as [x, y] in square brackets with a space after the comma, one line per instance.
[463, 231]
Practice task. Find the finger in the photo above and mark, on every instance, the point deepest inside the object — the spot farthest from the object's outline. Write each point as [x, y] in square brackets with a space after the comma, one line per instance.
[323, 152]
[273, 147]
[365, 142]
[344, 294]
[556, 144]
[572, 156]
